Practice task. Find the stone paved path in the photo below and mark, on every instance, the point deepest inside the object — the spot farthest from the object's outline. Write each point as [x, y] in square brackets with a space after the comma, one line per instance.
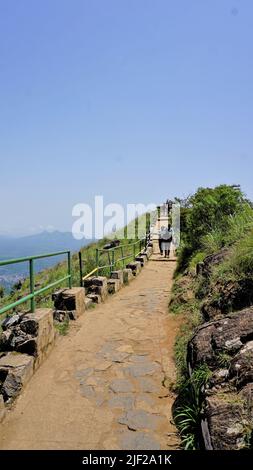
[102, 385]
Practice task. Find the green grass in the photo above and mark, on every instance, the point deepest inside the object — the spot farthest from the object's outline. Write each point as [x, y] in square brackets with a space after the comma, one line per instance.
[187, 414]
[190, 310]
[224, 360]
[62, 327]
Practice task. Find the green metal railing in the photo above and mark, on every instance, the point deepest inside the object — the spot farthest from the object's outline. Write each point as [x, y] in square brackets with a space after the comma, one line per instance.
[113, 260]
[34, 293]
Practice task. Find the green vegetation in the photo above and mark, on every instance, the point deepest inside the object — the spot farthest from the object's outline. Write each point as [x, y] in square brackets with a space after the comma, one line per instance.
[213, 221]
[62, 327]
[187, 414]
[48, 276]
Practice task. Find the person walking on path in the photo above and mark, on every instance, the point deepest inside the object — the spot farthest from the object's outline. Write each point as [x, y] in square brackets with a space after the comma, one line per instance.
[160, 238]
[166, 239]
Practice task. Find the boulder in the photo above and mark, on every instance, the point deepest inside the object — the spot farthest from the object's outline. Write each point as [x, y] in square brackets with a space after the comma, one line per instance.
[226, 335]
[226, 423]
[199, 350]
[241, 366]
[227, 297]
[205, 268]
[10, 321]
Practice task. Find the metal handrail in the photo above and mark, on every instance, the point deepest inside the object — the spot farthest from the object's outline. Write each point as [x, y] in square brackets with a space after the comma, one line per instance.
[33, 292]
[113, 262]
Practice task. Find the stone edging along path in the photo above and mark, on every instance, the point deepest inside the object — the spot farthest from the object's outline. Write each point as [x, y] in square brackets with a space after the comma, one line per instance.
[101, 387]
[28, 338]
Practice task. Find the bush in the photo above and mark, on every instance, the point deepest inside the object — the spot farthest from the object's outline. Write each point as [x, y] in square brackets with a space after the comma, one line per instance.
[211, 210]
[241, 261]
[212, 218]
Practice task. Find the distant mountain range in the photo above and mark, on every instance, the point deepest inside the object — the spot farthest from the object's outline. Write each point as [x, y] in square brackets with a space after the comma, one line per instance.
[42, 243]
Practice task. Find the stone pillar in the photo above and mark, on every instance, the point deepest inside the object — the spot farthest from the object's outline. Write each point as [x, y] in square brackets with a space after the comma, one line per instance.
[113, 286]
[46, 333]
[135, 266]
[15, 370]
[118, 275]
[142, 259]
[96, 286]
[70, 300]
[127, 275]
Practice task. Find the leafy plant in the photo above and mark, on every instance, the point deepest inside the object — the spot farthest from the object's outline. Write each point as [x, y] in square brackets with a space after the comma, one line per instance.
[188, 414]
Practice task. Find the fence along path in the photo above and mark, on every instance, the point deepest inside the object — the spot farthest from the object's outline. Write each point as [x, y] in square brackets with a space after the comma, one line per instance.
[101, 387]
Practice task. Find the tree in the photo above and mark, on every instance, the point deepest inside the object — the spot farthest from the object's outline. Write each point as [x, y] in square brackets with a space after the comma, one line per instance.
[211, 209]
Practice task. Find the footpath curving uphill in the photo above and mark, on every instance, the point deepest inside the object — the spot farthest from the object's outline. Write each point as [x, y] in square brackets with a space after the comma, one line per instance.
[103, 385]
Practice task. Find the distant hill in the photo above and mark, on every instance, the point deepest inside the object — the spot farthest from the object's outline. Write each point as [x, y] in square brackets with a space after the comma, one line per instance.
[42, 243]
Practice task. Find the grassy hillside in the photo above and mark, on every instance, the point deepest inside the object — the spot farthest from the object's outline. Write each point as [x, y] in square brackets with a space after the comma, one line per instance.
[58, 271]
[214, 277]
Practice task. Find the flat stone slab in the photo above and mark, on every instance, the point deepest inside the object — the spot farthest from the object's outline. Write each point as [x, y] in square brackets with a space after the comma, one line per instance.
[103, 366]
[118, 356]
[140, 419]
[121, 386]
[83, 373]
[138, 441]
[142, 369]
[148, 385]
[124, 402]
[87, 391]
[139, 357]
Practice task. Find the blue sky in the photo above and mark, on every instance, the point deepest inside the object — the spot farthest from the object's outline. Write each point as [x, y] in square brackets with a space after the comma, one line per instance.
[135, 100]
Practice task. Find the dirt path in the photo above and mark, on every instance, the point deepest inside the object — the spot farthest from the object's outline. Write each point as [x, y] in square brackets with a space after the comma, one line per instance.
[103, 381]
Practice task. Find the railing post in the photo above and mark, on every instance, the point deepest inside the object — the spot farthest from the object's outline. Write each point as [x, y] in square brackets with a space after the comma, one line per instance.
[113, 260]
[31, 274]
[80, 268]
[69, 270]
[109, 260]
[122, 256]
[97, 258]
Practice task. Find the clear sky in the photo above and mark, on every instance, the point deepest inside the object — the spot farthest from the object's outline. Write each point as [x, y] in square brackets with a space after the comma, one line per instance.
[135, 100]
